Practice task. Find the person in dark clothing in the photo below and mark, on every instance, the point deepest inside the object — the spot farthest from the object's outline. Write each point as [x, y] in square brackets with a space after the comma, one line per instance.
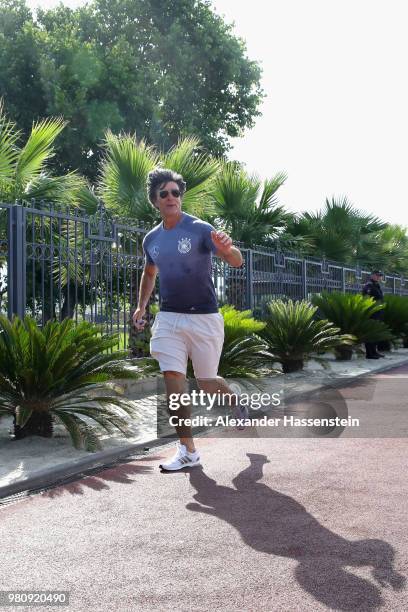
[373, 289]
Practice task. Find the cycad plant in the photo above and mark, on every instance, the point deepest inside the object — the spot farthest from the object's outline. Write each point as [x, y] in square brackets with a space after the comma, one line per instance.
[292, 333]
[62, 373]
[396, 316]
[244, 354]
[351, 313]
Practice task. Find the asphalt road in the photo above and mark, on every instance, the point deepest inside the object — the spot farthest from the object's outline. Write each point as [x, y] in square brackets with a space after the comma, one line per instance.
[268, 524]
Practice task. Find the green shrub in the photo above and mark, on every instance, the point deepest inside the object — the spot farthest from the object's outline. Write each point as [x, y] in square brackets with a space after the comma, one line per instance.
[244, 354]
[292, 333]
[396, 315]
[351, 313]
[62, 373]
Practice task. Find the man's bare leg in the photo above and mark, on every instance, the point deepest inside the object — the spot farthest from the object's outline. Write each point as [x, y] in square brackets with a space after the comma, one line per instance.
[176, 384]
[218, 385]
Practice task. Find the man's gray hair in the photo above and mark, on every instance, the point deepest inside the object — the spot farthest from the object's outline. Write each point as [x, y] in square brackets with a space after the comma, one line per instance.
[160, 176]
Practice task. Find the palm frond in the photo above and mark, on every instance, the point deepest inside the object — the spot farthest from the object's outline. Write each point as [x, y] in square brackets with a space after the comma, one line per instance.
[247, 209]
[339, 232]
[197, 201]
[37, 151]
[124, 170]
[8, 151]
[270, 187]
[188, 159]
[82, 434]
[68, 190]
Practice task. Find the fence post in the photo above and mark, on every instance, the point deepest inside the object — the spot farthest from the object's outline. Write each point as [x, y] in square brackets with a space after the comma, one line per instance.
[304, 279]
[343, 280]
[16, 261]
[249, 280]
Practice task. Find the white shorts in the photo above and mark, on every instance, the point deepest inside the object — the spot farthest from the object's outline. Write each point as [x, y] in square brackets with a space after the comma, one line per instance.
[177, 336]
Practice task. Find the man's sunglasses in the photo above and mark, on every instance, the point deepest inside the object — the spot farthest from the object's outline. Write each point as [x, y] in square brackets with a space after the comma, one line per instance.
[174, 192]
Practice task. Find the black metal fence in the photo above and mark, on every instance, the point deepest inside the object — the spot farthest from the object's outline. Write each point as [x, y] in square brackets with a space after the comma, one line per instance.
[56, 264]
[272, 274]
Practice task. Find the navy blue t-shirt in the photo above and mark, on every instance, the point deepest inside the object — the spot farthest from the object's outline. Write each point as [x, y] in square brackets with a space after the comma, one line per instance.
[183, 256]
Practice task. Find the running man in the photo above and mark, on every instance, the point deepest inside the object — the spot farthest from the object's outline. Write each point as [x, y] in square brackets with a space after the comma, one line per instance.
[180, 249]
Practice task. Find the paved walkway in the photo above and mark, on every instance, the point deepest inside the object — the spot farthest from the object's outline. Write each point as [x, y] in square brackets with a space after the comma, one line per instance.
[268, 524]
[36, 460]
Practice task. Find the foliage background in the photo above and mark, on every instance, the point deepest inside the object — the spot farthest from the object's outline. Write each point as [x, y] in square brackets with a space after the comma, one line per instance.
[160, 68]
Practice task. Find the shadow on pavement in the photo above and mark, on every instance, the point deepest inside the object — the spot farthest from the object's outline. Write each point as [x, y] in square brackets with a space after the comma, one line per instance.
[274, 523]
[121, 473]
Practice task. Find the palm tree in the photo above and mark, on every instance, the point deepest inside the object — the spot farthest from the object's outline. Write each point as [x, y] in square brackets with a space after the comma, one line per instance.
[246, 207]
[126, 164]
[62, 373]
[390, 250]
[340, 232]
[248, 210]
[24, 174]
[25, 177]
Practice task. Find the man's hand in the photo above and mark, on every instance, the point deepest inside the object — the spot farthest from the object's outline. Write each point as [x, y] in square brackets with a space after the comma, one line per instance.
[138, 320]
[226, 250]
[222, 241]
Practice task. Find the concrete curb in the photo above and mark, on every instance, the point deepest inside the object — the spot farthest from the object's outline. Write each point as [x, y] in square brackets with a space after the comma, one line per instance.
[347, 379]
[54, 476]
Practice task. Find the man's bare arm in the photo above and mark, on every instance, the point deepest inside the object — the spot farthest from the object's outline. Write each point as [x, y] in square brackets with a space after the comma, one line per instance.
[225, 249]
[233, 257]
[147, 283]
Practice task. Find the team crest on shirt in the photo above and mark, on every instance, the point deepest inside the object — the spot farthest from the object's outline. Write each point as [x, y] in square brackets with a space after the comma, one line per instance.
[184, 245]
[155, 251]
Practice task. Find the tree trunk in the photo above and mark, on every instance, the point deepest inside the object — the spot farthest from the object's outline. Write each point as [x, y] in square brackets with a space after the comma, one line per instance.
[49, 310]
[343, 353]
[292, 365]
[68, 307]
[39, 424]
[384, 345]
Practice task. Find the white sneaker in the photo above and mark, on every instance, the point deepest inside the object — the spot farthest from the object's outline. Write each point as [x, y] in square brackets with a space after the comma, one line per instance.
[181, 459]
